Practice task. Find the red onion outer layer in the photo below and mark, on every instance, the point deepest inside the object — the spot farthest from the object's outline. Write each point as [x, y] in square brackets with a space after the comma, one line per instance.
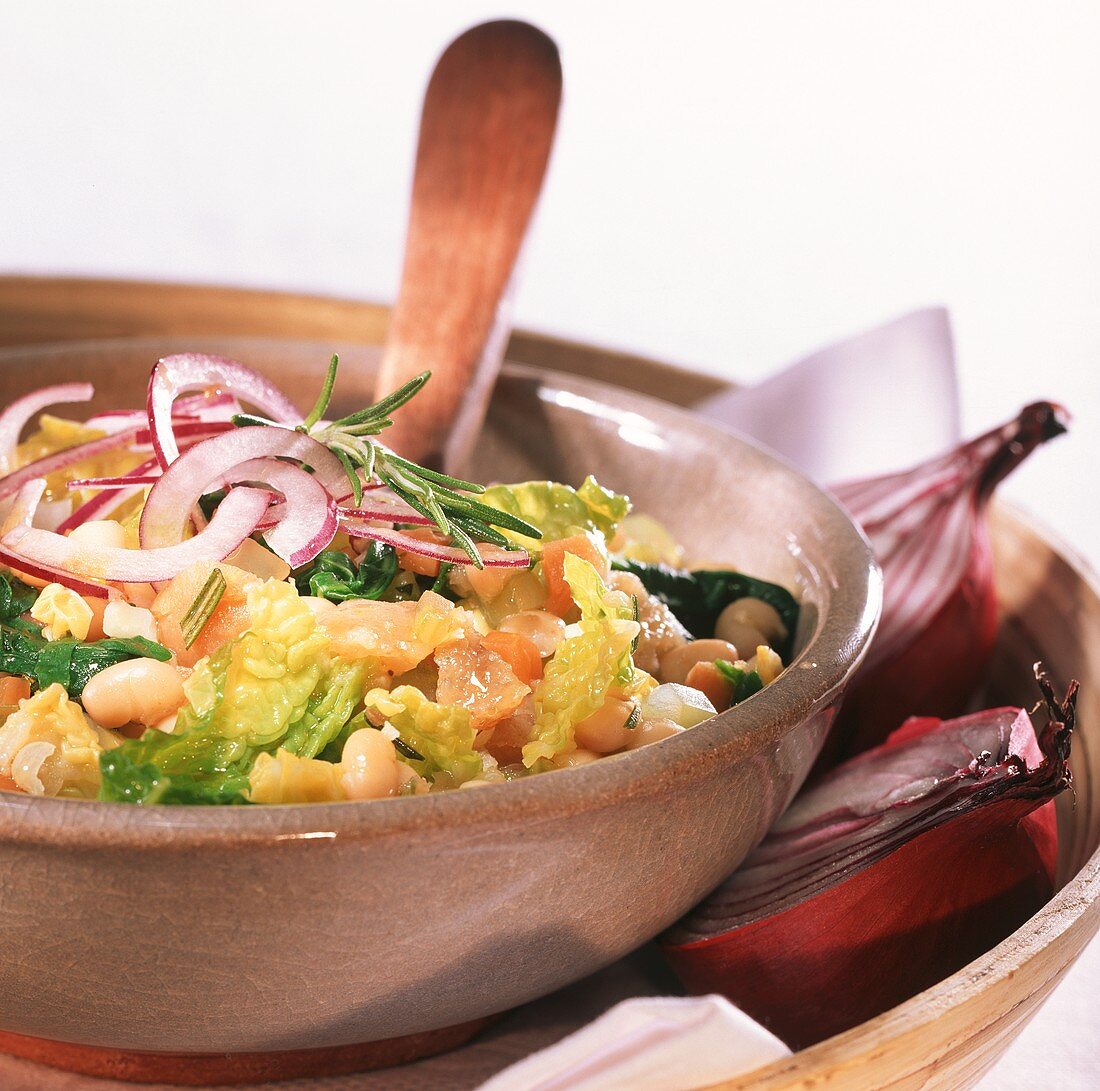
[175, 375]
[15, 418]
[930, 535]
[235, 519]
[890, 873]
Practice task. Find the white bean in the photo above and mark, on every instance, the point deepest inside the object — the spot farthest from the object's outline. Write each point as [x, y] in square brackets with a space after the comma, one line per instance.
[368, 765]
[605, 731]
[761, 615]
[142, 691]
[544, 629]
[676, 664]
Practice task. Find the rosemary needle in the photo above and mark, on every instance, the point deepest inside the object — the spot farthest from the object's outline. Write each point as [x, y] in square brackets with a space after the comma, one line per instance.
[449, 502]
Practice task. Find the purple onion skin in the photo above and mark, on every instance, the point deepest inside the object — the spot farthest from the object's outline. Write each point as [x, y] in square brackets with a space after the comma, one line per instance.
[935, 667]
[843, 949]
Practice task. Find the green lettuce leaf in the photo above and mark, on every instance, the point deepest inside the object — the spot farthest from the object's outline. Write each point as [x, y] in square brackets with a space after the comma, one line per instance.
[441, 736]
[330, 707]
[242, 700]
[559, 511]
[577, 679]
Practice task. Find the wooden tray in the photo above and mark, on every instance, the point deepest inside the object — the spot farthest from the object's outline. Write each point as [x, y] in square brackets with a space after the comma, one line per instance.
[946, 1036]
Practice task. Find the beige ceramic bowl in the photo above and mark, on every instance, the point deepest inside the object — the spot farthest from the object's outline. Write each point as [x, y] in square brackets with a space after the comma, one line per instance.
[287, 928]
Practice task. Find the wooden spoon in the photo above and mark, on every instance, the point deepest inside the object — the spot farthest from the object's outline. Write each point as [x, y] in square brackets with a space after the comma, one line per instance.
[485, 135]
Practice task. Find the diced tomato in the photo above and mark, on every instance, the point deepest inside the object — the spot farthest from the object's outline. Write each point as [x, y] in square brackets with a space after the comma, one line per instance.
[518, 652]
[559, 600]
[13, 688]
[707, 678]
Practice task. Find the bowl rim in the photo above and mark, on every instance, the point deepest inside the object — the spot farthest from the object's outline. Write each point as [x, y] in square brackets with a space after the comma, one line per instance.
[757, 724]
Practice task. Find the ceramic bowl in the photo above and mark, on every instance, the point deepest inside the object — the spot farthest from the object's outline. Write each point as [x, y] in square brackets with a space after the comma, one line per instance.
[264, 930]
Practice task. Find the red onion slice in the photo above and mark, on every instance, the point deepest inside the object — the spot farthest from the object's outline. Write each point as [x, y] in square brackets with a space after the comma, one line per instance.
[175, 375]
[23, 505]
[236, 518]
[215, 464]
[305, 523]
[60, 460]
[16, 416]
[99, 507]
[109, 483]
[491, 556]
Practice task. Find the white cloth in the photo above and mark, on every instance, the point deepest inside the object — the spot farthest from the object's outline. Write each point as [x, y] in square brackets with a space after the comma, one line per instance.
[880, 401]
[662, 1043]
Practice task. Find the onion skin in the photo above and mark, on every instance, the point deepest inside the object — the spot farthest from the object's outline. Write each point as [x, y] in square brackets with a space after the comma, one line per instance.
[879, 938]
[929, 532]
[833, 921]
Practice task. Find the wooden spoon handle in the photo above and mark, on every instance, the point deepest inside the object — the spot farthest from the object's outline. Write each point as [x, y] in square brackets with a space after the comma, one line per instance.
[485, 135]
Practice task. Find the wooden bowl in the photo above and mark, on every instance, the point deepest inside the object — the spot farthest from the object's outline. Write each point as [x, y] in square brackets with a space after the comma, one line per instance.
[285, 930]
[945, 1037]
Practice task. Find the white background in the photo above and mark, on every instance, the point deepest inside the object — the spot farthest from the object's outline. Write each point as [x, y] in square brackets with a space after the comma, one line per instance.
[733, 184]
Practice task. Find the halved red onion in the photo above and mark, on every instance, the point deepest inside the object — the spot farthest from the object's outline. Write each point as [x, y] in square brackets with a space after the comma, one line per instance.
[235, 519]
[491, 556]
[929, 533]
[19, 413]
[890, 873]
[175, 375]
[215, 464]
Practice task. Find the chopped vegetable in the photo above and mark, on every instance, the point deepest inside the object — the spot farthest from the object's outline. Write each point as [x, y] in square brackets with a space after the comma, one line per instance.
[49, 747]
[697, 597]
[557, 510]
[335, 576]
[203, 606]
[578, 679]
[441, 735]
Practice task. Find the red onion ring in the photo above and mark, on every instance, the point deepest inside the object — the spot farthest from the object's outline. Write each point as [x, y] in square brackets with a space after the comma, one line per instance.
[236, 518]
[491, 556]
[174, 375]
[16, 416]
[307, 522]
[43, 467]
[97, 507]
[213, 464]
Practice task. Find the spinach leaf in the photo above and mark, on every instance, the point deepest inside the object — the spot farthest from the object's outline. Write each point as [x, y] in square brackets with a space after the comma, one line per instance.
[334, 576]
[15, 597]
[697, 598]
[745, 683]
[70, 662]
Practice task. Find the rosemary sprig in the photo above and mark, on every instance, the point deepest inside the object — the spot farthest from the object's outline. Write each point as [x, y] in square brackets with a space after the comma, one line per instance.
[202, 606]
[447, 501]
